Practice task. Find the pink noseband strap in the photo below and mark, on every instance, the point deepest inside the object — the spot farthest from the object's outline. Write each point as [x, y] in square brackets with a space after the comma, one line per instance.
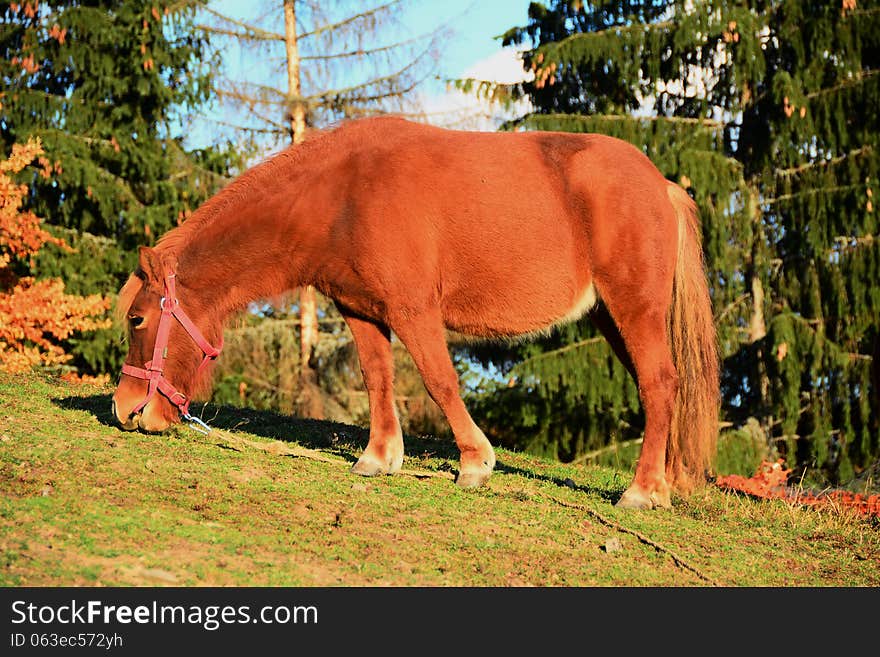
[154, 369]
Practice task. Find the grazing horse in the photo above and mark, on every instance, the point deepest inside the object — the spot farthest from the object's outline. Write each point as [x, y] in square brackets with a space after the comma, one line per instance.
[416, 229]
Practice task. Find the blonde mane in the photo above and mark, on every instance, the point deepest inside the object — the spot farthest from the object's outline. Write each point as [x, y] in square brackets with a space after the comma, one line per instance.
[258, 178]
[126, 297]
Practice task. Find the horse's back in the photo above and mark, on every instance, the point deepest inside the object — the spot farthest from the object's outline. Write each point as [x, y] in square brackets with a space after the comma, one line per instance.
[496, 228]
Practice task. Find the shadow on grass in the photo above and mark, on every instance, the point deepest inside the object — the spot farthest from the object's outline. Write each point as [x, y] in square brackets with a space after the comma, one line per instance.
[314, 434]
[337, 437]
[608, 494]
[97, 405]
[344, 440]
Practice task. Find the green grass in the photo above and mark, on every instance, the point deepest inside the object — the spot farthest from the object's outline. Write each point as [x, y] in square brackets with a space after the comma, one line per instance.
[82, 503]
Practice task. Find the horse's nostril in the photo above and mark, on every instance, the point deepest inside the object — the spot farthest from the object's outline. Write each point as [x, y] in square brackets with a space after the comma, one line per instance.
[126, 423]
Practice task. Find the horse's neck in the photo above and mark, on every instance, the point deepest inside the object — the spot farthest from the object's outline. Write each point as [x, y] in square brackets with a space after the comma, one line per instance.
[243, 254]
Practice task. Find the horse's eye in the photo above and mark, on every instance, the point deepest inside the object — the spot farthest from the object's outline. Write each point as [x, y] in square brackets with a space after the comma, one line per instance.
[136, 320]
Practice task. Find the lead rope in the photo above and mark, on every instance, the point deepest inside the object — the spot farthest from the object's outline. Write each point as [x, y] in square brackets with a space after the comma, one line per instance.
[197, 423]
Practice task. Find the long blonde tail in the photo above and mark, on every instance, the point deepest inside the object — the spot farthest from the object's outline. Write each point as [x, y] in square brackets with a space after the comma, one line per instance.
[694, 434]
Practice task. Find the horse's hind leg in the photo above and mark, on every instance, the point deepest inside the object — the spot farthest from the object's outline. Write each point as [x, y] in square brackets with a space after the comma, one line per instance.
[642, 325]
[384, 452]
[425, 339]
[603, 321]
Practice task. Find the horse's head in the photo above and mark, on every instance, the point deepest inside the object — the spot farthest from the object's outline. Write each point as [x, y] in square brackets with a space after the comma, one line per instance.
[167, 352]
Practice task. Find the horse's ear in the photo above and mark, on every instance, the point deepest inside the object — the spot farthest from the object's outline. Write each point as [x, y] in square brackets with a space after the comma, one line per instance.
[169, 262]
[150, 264]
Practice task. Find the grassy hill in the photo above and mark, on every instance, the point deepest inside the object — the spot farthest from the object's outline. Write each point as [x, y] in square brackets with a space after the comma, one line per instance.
[268, 500]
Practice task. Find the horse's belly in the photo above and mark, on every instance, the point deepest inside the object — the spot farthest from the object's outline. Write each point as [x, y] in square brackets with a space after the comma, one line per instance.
[521, 311]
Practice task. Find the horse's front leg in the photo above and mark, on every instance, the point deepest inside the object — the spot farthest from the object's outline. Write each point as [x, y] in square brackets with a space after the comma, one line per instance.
[384, 452]
[425, 339]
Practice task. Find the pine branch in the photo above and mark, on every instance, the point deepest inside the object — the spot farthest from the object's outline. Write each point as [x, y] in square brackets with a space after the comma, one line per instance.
[864, 239]
[278, 448]
[468, 111]
[235, 86]
[348, 21]
[328, 96]
[613, 447]
[245, 99]
[729, 308]
[850, 242]
[325, 97]
[91, 141]
[779, 421]
[863, 12]
[251, 102]
[116, 180]
[25, 91]
[279, 126]
[183, 173]
[820, 163]
[561, 350]
[502, 93]
[242, 36]
[394, 93]
[235, 126]
[368, 52]
[813, 324]
[192, 166]
[584, 118]
[183, 4]
[811, 192]
[614, 31]
[641, 537]
[851, 82]
[249, 33]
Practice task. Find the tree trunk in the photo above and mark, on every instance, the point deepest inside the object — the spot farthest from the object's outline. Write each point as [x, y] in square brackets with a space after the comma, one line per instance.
[757, 323]
[296, 108]
[757, 326]
[310, 403]
[875, 368]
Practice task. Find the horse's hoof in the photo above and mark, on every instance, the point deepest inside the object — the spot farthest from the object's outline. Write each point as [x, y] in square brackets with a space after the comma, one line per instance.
[369, 466]
[472, 479]
[661, 500]
[636, 498]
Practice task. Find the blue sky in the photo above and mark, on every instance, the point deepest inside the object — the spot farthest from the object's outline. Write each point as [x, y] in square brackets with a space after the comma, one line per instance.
[474, 24]
[469, 51]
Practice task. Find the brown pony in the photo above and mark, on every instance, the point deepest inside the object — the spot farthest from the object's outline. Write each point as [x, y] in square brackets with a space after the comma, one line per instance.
[416, 229]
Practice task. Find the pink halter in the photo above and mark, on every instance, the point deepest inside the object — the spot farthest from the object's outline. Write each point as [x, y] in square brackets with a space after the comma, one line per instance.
[153, 370]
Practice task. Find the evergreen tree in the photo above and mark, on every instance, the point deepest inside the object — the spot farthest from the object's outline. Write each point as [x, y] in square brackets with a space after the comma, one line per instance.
[767, 112]
[106, 85]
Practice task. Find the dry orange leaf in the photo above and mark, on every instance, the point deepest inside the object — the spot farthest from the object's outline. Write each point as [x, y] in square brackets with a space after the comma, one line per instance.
[770, 482]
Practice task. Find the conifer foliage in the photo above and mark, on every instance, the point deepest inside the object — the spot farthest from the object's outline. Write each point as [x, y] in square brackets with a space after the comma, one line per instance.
[106, 86]
[768, 113]
[99, 82]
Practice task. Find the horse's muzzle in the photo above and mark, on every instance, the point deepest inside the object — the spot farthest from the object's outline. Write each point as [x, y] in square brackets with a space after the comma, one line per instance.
[128, 424]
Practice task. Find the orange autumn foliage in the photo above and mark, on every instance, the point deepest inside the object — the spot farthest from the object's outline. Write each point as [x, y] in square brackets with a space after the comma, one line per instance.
[34, 315]
[770, 482]
[20, 232]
